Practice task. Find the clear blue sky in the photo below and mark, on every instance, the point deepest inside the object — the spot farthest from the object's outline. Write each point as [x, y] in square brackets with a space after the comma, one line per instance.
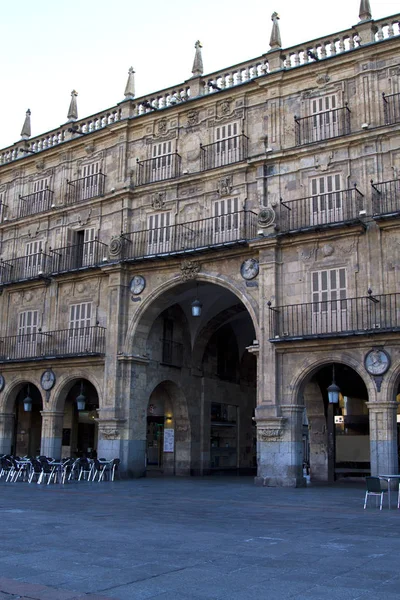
[50, 47]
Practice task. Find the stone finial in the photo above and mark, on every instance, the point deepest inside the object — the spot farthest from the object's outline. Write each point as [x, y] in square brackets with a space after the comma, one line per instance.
[26, 129]
[73, 107]
[365, 10]
[197, 69]
[130, 85]
[275, 39]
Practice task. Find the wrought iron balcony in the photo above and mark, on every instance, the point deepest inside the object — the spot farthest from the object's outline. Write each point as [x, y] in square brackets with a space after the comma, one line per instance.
[25, 267]
[167, 166]
[323, 126]
[39, 345]
[224, 152]
[335, 318]
[35, 203]
[77, 256]
[193, 236]
[85, 188]
[322, 210]
[391, 108]
[386, 197]
[172, 353]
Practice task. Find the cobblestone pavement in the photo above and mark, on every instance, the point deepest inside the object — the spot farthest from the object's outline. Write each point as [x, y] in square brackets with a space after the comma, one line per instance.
[195, 539]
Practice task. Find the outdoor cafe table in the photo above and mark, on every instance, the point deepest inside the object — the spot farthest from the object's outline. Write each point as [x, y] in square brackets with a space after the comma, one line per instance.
[389, 478]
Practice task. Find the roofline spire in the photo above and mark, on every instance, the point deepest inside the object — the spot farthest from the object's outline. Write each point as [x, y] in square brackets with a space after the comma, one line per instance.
[73, 108]
[26, 128]
[129, 92]
[197, 69]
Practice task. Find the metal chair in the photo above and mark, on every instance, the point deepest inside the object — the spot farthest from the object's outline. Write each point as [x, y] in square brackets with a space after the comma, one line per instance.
[374, 488]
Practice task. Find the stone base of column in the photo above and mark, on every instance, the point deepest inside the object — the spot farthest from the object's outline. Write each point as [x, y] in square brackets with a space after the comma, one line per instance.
[280, 481]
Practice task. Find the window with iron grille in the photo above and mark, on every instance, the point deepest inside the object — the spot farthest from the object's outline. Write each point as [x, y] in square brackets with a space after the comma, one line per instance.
[91, 177]
[80, 316]
[28, 325]
[226, 219]
[326, 199]
[162, 161]
[33, 258]
[328, 290]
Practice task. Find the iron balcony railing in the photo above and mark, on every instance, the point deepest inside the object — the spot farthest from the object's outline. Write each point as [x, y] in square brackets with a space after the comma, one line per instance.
[193, 236]
[322, 126]
[24, 267]
[82, 341]
[35, 203]
[78, 256]
[322, 209]
[391, 108]
[224, 152]
[172, 353]
[334, 318]
[82, 189]
[159, 168]
[386, 197]
[3, 213]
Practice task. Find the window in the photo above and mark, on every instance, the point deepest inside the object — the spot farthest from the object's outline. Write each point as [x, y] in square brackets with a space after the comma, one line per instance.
[91, 180]
[324, 117]
[226, 220]
[81, 249]
[329, 305]
[79, 319]
[227, 146]
[28, 324]
[27, 334]
[33, 259]
[38, 198]
[326, 200]
[162, 161]
[159, 233]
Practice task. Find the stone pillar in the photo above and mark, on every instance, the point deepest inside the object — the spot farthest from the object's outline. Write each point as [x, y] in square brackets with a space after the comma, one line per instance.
[52, 422]
[6, 432]
[318, 434]
[109, 440]
[280, 448]
[383, 437]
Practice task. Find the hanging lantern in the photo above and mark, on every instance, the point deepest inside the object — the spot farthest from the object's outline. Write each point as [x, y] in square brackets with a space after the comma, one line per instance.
[81, 399]
[333, 390]
[196, 308]
[27, 402]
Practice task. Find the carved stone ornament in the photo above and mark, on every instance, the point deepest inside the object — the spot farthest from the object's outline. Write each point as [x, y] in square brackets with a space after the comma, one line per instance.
[40, 165]
[158, 200]
[327, 250]
[224, 186]
[192, 118]
[189, 270]
[266, 217]
[109, 433]
[322, 78]
[224, 108]
[90, 148]
[115, 247]
[162, 126]
[307, 253]
[269, 434]
[80, 288]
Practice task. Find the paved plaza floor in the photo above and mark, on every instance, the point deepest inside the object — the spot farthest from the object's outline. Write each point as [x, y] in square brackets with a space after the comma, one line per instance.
[195, 539]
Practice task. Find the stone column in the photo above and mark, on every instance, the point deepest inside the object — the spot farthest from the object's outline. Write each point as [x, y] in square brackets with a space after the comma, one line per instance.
[318, 434]
[109, 440]
[383, 437]
[52, 422]
[6, 432]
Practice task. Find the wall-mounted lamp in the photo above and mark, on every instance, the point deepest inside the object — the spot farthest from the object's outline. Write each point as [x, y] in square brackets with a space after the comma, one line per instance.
[81, 399]
[169, 419]
[27, 402]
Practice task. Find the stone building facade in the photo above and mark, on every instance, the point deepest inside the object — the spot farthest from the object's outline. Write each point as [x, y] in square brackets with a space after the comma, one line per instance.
[266, 197]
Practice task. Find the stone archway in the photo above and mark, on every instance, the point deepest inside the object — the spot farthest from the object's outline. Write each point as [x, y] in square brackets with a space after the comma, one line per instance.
[203, 384]
[22, 424]
[350, 443]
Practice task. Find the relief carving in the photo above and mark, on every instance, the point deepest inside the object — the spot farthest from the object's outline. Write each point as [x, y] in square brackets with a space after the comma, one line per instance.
[192, 118]
[189, 269]
[109, 433]
[158, 200]
[269, 434]
[224, 186]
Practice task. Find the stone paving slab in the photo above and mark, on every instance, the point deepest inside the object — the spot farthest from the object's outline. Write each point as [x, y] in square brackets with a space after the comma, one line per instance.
[195, 539]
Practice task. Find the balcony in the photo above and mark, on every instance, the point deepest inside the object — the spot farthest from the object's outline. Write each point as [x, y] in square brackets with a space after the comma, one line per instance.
[335, 318]
[386, 197]
[85, 188]
[224, 152]
[323, 210]
[391, 108]
[78, 256]
[322, 126]
[24, 268]
[159, 168]
[40, 345]
[35, 203]
[60, 260]
[172, 353]
[194, 236]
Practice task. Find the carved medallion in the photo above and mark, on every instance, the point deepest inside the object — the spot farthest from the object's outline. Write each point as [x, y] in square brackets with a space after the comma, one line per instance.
[189, 270]
[266, 217]
[115, 247]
